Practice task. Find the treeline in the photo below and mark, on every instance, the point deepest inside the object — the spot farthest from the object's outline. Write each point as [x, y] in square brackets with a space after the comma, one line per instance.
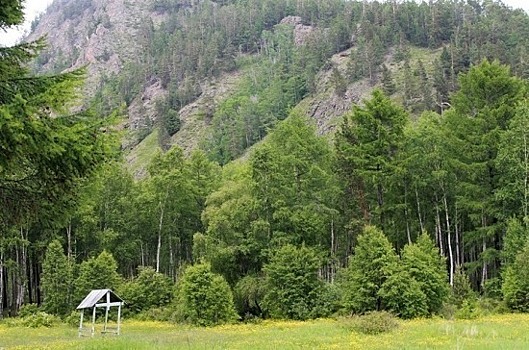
[388, 217]
[297, 222]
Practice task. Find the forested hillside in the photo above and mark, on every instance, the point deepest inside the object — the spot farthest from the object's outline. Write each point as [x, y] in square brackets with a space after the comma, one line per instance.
[289, 159]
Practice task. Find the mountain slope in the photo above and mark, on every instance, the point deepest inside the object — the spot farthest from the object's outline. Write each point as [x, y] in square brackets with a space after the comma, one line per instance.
[219, 74]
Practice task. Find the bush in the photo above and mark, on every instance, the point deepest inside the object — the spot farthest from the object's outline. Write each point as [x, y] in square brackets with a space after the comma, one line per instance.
[515, 286]
[36, 320]
[293, 288]
[96, 273]
[469, 310]
[372, 323]
[163, 314]
[73, 318]
[204, 298]
[28, 310]
[428, 268]
[248, 295]
[149, 289]
[461, 290]
[402, 295]
[371, 265]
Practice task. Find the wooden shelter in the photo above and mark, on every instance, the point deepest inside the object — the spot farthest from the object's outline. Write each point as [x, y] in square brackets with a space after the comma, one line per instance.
[100, 298]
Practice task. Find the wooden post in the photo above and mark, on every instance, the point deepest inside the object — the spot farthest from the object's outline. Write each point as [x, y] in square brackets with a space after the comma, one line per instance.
[119, 317]
[106, 312]
[94, 321]
[81, 323]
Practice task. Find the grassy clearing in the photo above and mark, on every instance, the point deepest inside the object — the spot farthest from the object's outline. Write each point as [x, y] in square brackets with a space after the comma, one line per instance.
[494, 332]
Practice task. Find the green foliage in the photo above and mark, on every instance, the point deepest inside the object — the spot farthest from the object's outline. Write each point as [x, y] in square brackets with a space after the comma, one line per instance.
[516, 282]
[96, 273]
[367, 145]
[426, 266]
[293, 289]
[339, 82]
[249, 293]
[35, 320]
[149, 289]
[28, 310]
[373, 262]
[294, 183]
[57, 280]
[388, 85]
[461, 289]
[402, 295]
[204, 298]
[372, 323]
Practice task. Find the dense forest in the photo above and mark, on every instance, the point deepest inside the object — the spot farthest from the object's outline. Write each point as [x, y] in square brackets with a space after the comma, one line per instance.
[415, 204]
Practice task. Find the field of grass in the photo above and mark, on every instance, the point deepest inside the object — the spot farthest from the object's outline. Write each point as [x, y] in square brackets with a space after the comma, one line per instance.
[494, 332]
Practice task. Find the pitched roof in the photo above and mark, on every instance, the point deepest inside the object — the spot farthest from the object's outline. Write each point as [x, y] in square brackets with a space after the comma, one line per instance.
[95, 295]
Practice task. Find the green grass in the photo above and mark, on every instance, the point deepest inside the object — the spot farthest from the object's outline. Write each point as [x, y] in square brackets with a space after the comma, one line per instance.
[138, 159]
[494, 332]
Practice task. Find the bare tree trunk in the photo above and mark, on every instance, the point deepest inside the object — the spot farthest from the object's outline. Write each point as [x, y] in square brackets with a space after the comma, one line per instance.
[20, 280]
[69, 238]
[2, 288]
[526, 177]
[171, 258]
[333, 251]
[159, 246]
[408, 233]
[438, 229]
[142, 254]
[484, 268]
[419, 209]
[449, 238]
[458, 245]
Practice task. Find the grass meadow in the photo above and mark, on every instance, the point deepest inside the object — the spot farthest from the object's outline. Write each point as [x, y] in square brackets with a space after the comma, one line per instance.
[492, 332]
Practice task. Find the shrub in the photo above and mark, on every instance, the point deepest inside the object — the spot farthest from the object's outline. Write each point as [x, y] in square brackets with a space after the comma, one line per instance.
[28, 310]
[97, 273]
[515, 286]
[375, 322]
[293, 288]
[36, 320]
[248, 295]
[57, 280]
[469, 310]
[73, 318]
[402, 295]
[428, 268]
[370, 266]
[164, 314]
[149, 289]
[204, 298]
[461, 289]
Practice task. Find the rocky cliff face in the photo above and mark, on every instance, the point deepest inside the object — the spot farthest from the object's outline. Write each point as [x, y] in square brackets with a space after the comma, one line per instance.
[109, 35]
[100, 34]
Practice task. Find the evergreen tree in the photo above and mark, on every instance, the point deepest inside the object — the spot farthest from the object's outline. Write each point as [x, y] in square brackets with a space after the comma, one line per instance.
[57, 280]
[515, 286]
[402, 295]
[372, 264]
[482, 110]
[388, 84]
[294, 289]
[461, 290]
[426, 266]
[516, 237]
[513, 165]
[96, 273]
[367, 146]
